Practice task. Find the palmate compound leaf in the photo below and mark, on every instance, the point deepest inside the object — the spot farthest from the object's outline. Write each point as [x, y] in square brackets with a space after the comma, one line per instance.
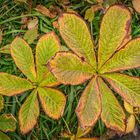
[114, 29]
[47, 46]
[53, 102]
[126, 58]
[11, 85]
[77, 36]
[112, 114]
[127, 87]
[7, 122]
[89, 106]
[70, 69]
[114, 34]
[23, 57]
[29, 112]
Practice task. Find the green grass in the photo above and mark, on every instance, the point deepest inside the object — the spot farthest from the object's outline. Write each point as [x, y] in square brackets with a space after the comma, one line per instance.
[46, 128]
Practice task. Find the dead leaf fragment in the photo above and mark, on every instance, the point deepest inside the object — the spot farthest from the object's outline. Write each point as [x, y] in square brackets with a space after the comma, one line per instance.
[128, 107]
[5, 49]
[130, 124]
[45, 11]
[55, 24]
[31, 35]
[33, 23]
[89, 14]
[136, 5]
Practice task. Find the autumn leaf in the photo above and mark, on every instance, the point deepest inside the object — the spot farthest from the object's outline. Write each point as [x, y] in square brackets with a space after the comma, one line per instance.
[116, 52]
[38, 78]
[130, 124]
[33, 23]
[7, 122]
[45, 11]
[136, 5]
[4, 136]
[89, 14]
[5, 49]
[31, 35]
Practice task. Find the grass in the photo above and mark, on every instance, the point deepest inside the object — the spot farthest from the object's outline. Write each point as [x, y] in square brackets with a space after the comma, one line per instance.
[10, 24]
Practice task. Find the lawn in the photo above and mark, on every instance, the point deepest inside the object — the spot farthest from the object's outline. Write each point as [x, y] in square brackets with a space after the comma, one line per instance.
[17, 17]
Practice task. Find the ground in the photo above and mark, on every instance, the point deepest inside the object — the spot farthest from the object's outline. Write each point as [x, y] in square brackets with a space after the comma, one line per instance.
[12, 16]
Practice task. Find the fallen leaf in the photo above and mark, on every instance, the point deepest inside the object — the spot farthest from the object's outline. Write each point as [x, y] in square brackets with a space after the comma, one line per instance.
[89, 14]
[55, 24]
[31, 35]
[130, 124]
[33, 23]
[128, 107]
[136, 5]
[45, 11]
[5, 49]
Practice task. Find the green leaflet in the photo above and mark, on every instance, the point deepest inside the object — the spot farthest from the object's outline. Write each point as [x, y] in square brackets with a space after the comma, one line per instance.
[7, 123]
[49, 80]
[126, 58]
[114, 28]
[128, 87]
[70, 69]
[76, 35]
[31, 35]
[23, 57]
[4, 136]
[11, 85]
[112, 113]
[89, 107]
[47, 46]
[29, 113]
[53, 102]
